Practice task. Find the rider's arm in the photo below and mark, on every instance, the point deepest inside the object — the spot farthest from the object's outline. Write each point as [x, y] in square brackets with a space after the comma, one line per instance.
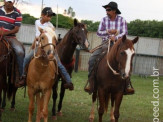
[13, 31]
[102, 32]
[123, 29]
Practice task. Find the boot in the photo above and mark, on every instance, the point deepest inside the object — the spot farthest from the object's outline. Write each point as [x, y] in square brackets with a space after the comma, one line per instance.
[89, 87]
[21, 82]
[129, 90]
[69, 86]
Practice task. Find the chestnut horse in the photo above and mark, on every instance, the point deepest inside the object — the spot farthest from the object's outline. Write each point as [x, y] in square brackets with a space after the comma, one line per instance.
[66, 48]
[41, 75]
[112, 71]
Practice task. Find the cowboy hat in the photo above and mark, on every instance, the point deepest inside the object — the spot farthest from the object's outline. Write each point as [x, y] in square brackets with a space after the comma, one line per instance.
[113, 5]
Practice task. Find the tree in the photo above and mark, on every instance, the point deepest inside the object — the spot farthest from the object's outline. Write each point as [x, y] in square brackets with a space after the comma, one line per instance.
[27, 19]
[70, 12]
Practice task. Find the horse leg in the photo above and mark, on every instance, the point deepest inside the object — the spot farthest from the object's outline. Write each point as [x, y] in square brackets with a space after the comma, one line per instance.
[91, 116]
[13, 99]
[118, 100]
[0, 101]
[4, 100]
[38, 116]
[112, 118]
[31, 103]
[55, 95]
[62, 93]
[101, 94]
[45, 106]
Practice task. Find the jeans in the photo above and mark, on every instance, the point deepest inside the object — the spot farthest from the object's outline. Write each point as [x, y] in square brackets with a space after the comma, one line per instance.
[60, 66]
[19, 52]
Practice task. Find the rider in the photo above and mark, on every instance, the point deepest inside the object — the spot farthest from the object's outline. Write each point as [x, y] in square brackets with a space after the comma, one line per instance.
[111, 27]
[43, 22]
[10, 22]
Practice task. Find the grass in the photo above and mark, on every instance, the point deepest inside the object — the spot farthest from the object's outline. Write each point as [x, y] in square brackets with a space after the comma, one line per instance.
[77, 103]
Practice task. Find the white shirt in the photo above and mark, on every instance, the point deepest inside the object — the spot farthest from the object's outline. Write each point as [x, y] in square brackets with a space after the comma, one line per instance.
[38, 24]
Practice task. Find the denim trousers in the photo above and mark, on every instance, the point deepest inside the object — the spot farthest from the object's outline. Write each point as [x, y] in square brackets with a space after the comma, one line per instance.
[19, 52]
[60, 65]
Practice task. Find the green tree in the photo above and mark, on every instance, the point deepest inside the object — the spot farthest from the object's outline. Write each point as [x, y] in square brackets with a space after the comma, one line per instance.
[70, 12]
[91, 26]
[27, 19]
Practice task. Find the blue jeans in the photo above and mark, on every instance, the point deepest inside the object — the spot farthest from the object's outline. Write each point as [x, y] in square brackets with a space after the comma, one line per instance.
[60, 66]
[19, 52]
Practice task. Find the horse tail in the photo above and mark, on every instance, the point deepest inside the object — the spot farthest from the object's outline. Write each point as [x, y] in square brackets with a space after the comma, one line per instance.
[107, 98]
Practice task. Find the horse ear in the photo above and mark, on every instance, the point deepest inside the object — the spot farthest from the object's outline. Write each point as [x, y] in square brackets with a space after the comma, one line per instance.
[124, 38]
[75, 22]
[135, 40]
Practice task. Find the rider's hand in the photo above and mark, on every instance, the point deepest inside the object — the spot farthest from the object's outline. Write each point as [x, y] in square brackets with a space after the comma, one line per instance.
[113, 31]
[113, 38]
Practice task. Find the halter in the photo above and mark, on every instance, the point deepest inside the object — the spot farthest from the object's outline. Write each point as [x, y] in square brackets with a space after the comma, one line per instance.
[114, 72]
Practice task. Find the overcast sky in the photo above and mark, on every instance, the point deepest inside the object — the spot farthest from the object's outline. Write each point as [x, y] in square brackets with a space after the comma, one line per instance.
[93, 10]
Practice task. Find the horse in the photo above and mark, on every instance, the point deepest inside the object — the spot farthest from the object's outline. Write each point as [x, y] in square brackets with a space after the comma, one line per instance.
[112, 71]
[66, 48]
[8, 75]
[42, 71]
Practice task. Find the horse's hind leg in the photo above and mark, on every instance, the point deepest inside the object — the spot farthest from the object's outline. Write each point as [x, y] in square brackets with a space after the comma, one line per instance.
[91, 116]
[55, 95]
[118, 99]
[62, 93]
[101, 94]
[31, 103]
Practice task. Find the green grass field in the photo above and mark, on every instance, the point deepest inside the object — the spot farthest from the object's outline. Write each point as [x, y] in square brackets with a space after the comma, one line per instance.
[77, 103]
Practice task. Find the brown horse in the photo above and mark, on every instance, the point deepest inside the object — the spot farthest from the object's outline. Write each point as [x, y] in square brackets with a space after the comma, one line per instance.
[66, 48]
[41, 75]
[8, 64]
[109, 84]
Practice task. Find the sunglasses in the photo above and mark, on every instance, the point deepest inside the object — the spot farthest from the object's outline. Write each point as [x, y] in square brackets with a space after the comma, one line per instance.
[9, 1]
[109, 9]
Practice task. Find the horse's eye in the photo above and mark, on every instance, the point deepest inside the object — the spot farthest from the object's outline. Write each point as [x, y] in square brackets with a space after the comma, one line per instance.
[122, 53]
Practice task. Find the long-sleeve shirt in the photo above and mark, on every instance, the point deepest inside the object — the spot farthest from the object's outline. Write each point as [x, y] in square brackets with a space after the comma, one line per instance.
[106, 24]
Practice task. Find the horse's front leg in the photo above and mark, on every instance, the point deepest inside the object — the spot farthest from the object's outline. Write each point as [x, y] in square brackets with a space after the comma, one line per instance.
[54, 96]
[13, 99]
[112, 118]
[38, 100]
[31, 103]
[91, 116]
[4, 100]
[62, 93]
[45, 106]
[118, 100]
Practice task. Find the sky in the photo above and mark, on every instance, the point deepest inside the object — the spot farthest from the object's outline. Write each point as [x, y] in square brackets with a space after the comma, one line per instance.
[93, 10]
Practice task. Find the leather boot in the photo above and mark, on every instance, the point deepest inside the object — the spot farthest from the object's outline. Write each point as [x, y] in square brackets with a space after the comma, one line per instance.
[89, 87]
[21, 82]
[129, 90]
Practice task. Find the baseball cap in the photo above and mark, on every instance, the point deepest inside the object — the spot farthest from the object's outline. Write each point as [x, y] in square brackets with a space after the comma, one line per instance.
[48, 11]
[9, 0]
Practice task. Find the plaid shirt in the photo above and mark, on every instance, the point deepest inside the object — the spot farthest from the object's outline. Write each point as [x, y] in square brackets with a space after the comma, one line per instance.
[106, 24]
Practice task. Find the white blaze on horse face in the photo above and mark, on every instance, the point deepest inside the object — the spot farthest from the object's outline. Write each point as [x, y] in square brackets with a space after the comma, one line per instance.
[129, 53]
[49, 40]
[86, 41]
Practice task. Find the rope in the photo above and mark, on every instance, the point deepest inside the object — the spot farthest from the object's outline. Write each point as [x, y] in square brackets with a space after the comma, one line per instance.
[114, 72]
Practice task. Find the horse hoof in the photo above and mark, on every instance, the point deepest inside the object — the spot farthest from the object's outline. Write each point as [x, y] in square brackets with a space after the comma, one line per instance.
[59, 113]
[54, 117]
[91, 119]
[12, 109]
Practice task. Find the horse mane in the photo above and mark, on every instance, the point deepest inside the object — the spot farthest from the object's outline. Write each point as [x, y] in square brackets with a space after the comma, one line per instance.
[64, 40]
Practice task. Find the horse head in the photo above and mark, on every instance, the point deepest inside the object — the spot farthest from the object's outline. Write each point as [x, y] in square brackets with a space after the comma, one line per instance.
[47, 43]
[124, 56]
[80, 34]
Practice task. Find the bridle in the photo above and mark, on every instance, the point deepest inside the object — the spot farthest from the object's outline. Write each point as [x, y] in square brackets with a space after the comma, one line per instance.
[43, 55]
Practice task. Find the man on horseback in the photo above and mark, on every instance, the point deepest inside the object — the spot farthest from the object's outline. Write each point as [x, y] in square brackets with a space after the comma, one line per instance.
[111, 27]
[10, 22]
[46, 16]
